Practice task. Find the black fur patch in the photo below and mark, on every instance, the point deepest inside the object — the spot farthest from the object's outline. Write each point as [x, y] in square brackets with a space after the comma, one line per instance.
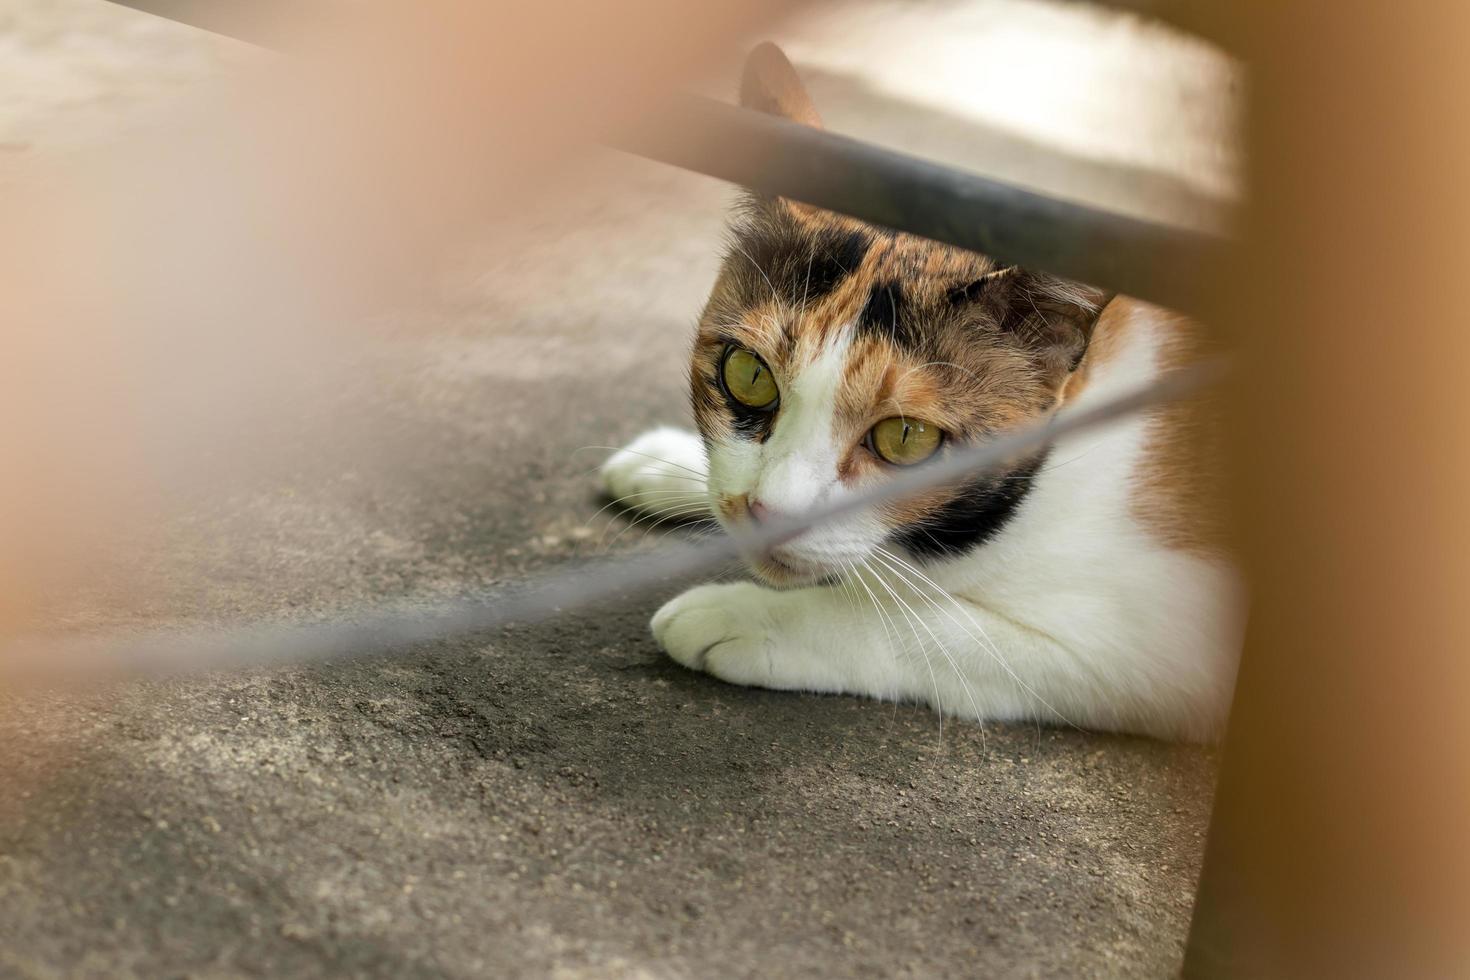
[834, 256]
[974, 516]
[887, 315]
[970, 292]
[748, 422]
[801, 267]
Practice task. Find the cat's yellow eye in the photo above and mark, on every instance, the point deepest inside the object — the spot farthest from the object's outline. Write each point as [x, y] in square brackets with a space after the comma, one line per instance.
[748, 380]
[905, 442]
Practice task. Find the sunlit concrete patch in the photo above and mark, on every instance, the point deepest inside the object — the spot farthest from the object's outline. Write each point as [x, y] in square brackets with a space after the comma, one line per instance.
[1073, 79]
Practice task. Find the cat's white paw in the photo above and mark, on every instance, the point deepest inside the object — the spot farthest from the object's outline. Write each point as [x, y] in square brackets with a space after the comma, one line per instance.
[724, 629]
[654, 468]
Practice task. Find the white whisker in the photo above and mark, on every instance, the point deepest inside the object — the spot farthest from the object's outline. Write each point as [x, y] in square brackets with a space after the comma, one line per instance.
[909, 617]
[664, 514]
[889, 630]
[770, 285]
[625, 501]
[982, 639]
[657, 459]
[954, 665]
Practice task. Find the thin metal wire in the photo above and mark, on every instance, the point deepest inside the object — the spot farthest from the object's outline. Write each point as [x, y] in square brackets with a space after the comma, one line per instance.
[399, 628]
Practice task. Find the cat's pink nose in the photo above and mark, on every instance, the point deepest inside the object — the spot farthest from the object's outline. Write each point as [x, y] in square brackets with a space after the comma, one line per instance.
[759, 511]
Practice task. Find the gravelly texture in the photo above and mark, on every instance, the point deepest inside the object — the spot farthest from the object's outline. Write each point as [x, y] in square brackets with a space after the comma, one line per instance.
[549, 801]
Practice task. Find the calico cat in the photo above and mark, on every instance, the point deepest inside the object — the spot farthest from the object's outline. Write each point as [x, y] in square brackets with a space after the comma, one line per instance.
[1086, 585]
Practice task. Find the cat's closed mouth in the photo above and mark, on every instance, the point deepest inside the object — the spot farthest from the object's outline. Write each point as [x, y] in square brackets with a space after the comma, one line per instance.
[781, 569]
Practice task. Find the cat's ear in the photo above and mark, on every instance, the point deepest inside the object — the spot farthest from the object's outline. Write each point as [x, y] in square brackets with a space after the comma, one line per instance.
[769, 84]
[1050, 317]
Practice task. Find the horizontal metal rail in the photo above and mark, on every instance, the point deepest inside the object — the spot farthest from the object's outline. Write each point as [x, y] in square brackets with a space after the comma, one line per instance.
[255, 21]
[1161, 263]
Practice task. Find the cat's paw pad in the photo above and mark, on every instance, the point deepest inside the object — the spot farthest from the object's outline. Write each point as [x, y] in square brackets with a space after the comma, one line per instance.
[724, 630]
[663, 459]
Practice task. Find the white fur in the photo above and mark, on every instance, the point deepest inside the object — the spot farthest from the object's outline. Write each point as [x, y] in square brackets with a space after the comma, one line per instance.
[1073, 613]
[662, 461]
[796, 468]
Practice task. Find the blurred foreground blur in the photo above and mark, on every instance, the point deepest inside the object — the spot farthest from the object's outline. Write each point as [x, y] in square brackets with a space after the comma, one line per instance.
[284, 348]
[294, 334]
[202, 237]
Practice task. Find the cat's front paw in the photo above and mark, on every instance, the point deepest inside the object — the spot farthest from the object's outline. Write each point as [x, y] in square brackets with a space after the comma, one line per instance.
[725, 630]
[662, 463]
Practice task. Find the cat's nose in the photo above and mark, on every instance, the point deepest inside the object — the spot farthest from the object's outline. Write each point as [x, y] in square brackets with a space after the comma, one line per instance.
[759, 511]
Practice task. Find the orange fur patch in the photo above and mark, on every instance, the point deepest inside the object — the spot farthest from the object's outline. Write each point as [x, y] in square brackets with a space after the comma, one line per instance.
[1180, 492]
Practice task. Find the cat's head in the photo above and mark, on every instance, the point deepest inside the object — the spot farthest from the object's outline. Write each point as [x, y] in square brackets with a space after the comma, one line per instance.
[832, 352]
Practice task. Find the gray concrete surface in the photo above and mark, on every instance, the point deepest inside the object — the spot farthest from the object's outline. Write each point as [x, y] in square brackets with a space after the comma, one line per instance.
[549, 801]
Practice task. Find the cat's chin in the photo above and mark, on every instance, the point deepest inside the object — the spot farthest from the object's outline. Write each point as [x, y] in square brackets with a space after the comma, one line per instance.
[783, 573]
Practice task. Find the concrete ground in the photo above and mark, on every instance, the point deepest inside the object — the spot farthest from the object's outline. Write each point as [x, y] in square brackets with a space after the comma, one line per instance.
[549, 801]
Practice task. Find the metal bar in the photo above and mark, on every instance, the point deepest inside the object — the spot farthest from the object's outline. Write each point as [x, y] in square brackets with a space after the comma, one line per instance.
[247, 20]
[1167, 265]
[1164, 264]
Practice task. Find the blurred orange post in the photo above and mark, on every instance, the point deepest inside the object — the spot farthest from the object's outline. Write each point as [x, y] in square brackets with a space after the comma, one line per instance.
[163, 300]
[1339, 847]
